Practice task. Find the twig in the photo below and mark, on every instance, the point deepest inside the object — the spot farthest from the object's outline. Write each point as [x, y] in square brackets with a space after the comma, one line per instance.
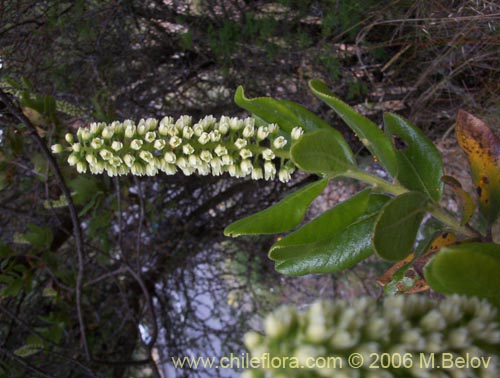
[71, 206]
[154, 333]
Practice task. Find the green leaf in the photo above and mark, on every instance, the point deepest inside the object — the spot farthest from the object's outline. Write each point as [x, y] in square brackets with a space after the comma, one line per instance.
[370, 135]
[28, 350]
[280, 217]
[323, 153]
[420, 166]
[397, 225]
[336, 240]
[38, 237]
[287, 114]
[470, 269]
[321, 227]
[84, 189]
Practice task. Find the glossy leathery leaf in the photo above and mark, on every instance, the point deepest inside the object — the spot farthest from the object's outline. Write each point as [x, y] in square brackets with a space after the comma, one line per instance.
[280, 217]
[349, 241]
[321, 227]
[321, 152]
[286, 114]
[420, 166]
[370, 135]
[468, 204]
[482, 147]
[397, 225]
[469, 268]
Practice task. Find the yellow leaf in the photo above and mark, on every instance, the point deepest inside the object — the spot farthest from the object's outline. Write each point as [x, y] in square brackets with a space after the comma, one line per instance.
[482, 147]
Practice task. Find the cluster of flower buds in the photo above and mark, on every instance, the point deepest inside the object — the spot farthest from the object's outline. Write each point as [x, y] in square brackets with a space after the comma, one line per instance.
[211, 146]
[412, 336]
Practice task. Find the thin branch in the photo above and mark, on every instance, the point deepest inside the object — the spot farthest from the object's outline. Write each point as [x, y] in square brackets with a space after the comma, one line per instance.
[154, 323]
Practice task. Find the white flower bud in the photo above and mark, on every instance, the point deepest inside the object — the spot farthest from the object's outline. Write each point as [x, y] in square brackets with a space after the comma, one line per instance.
[284, 175]
[226, 160]
[111, 171]
[138, 169]
[151, 123]
[268, 154]
[235, 124]
[81, 167]
[184, 120]
[279, 142]
[69, 138]
[187, 149]
[116, 146]
[187, 132]
[220, 150]
[165, 121]
[136, 144]
[273, 128]
[257, 173]
[99, 167]
[216, 165]
[76, 147]
[107, 132]
[129, 160]
[194, 161]
[163, 129]
[249, 121]
[198, 129]
[146, 156]
[57, 149]
[269, 170]
[182, 162]
[278, 323]
[169, 157]
[142, 128]
[246, 166]
[123, 170]
[215, 135]
[204, 138]
[240, 143]
[105, 154]
[203, 169]
[175, 142]
[262, 132]
[83, 134]
[206, 156]
[130, 129]
[252, 340]
[150, 136]
[115, 161]
[151, 170]
[96, 143]
[248, 131]
[95, 128]
[231, 169]
[245, 153]
[297, 132]
[159, 144]
[91, 159]
[169, 169]
[223, 126]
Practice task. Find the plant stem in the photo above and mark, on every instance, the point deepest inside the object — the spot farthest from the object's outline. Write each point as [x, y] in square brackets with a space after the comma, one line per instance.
[437, 212]
[377, 182]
